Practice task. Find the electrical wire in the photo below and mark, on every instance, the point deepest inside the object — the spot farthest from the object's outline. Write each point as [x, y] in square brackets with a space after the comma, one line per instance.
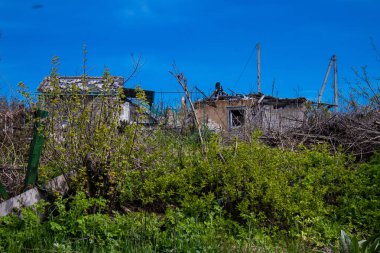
[245, 66]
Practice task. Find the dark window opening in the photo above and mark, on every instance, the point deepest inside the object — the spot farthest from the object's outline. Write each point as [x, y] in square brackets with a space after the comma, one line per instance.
[237, 118]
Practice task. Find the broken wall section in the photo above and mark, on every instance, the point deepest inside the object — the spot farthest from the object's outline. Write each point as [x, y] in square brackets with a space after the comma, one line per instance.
[249, 113]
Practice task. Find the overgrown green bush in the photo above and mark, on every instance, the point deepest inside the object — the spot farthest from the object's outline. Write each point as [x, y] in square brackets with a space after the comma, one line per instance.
[242, 198]
[143, 189]
[76, 227]
[308, 193]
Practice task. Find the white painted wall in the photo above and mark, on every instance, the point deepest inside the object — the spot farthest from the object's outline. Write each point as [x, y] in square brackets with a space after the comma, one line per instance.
[125, 112]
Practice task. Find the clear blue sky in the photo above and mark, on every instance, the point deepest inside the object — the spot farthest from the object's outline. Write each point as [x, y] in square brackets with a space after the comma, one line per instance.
[209, 40]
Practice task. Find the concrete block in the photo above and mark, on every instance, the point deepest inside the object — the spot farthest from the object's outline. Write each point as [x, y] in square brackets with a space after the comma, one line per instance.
[32, 196]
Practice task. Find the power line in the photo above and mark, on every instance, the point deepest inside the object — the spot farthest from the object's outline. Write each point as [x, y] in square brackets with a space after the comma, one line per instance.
[246, 65]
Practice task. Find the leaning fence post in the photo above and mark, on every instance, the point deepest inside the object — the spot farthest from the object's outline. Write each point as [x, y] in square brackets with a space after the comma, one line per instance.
[35, 148]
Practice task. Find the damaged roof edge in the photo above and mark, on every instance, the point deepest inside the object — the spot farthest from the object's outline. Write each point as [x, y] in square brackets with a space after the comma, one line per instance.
[220, 95]
[264, 100]
[93, 84]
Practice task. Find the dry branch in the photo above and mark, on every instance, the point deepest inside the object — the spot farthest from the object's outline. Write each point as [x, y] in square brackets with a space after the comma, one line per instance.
[181, 79]
[353, 133]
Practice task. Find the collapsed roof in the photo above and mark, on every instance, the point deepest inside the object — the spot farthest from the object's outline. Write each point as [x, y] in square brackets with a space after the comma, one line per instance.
[89, 84]
[93, 86]
[220, 95]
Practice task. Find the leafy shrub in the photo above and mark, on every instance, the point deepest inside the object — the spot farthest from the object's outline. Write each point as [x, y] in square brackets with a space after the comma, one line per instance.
[307, 194]
[77, 227]
[360, 200]
[353, 245]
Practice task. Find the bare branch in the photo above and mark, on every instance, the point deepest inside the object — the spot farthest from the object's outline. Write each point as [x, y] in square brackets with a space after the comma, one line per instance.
[137, 65]
[181, 79]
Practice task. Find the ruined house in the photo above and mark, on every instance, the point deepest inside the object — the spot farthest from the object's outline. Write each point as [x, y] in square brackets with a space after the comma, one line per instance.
[92, 88]
[224, 112]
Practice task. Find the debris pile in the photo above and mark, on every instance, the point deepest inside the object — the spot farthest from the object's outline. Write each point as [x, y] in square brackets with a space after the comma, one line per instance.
[358, 134]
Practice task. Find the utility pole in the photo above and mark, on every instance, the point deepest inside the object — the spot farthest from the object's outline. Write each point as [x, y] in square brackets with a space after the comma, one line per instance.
[258, 68]
[335, 84]
[324, 82]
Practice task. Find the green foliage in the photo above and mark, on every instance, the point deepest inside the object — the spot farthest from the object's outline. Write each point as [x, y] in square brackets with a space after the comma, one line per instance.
[83, 132]
[361, 199]
[77, 227]
[242, 196]
[353, 245]
[307, 195]
[300, 194]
